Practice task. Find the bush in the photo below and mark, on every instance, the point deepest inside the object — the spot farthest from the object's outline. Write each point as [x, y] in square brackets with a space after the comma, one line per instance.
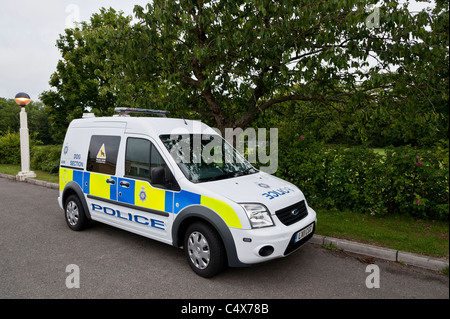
[10, 148]
[416, 182]
[42, 157]
[46, 158]
[405, 180]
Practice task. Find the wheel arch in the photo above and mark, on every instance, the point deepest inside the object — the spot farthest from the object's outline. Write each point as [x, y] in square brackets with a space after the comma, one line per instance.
[201, 213]
[71, 189]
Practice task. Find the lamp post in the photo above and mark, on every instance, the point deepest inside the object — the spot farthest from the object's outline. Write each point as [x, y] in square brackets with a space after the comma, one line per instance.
[23, 99]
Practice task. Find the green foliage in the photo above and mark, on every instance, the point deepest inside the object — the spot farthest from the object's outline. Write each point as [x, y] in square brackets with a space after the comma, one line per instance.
[9, 116]
[43, 157]
[416, 182]
[10, 148]
[229, 61]
[406, 180]
[46, 158]
[375, 125]
[38, 121]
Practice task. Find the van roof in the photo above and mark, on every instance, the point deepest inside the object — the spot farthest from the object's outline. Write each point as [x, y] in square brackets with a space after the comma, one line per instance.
[153, 126]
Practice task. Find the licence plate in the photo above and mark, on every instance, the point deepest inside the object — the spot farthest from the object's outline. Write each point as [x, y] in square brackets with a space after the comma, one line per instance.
[303, 233]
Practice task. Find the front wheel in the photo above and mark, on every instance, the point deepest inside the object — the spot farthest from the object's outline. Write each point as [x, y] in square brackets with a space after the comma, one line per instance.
[204, 250]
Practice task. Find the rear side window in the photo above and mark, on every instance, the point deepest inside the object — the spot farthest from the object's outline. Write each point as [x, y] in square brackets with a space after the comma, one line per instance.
[102, 156]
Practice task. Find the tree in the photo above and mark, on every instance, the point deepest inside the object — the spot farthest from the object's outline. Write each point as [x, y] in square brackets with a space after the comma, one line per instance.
[38, 121]
[231, 60]
[421, 82]
[228, 62]
[9, 116]
[76, 82]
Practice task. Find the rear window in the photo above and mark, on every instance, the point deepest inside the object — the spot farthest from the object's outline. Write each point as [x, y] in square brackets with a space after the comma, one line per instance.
[102, 156]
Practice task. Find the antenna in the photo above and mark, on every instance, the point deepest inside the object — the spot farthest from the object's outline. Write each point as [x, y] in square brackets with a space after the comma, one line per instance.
[123, 111]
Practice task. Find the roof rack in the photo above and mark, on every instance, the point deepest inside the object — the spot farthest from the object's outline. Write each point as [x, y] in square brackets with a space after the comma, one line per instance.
[123, 111]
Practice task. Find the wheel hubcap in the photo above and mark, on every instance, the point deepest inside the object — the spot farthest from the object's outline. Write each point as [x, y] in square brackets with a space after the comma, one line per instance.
[72, 213]
[198, 249]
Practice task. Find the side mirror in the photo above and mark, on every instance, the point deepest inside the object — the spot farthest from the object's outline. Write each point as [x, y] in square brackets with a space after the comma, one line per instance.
[158, 175]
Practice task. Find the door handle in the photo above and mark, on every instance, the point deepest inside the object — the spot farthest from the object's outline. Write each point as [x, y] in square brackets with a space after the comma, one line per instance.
[111, 181]
[124, 184]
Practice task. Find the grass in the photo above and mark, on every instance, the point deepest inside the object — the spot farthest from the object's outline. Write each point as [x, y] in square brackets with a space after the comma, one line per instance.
[12, 169]
[445, 271]
[395, 232]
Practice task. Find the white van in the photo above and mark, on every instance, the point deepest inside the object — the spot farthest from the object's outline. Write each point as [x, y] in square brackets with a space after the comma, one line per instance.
[177, 181]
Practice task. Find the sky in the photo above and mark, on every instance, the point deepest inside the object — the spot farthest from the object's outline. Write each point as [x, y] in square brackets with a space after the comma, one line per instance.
[28, 33]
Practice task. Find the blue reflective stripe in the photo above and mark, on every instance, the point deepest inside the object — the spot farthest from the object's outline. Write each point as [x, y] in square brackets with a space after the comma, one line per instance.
[168, 202]
[185, 198]
[78, 177]
[113, 189]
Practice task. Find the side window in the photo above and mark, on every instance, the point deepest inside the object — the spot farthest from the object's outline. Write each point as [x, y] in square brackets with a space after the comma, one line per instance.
[102, 156]
[137, 158]
[141, 156]
[156, 159]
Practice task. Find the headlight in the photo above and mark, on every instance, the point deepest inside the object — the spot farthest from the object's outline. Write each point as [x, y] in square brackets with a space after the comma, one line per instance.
[258, 215]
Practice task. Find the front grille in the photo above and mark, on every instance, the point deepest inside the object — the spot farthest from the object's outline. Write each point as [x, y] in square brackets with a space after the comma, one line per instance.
[293, 213]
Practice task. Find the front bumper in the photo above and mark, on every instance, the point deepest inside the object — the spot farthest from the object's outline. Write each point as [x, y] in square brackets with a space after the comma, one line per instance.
[254, 245]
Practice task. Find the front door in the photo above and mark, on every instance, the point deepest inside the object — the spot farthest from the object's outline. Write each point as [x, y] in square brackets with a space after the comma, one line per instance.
[147, 207]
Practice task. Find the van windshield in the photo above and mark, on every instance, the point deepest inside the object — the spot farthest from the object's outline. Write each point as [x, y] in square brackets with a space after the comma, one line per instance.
[204, 157]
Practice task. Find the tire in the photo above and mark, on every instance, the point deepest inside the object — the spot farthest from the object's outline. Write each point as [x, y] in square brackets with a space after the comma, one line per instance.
[204, 250]
[74, 213]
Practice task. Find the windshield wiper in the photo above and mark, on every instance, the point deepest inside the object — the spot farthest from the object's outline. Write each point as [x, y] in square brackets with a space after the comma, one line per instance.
[249, 170]
[225, 175]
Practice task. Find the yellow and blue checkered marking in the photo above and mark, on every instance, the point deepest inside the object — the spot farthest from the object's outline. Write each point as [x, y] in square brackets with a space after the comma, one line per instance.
[142, 194]
[184, 199]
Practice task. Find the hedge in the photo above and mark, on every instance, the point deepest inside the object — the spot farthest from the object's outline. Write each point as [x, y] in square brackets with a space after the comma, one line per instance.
[46, 158]
[43, 157]
[10, 148]
[404, 180]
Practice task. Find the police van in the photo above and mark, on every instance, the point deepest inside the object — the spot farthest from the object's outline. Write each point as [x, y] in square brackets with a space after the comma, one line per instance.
[179, 182]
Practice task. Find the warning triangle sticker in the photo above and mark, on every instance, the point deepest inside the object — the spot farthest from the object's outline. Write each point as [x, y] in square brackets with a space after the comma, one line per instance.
[101, 155]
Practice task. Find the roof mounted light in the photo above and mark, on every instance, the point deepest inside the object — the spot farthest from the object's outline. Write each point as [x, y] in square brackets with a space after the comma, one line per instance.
[123, 111]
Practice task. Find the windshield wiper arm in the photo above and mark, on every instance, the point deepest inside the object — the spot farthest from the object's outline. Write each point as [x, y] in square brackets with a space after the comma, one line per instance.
[249, 170]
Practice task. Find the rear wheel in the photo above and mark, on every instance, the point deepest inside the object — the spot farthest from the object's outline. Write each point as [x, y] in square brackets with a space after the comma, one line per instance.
[74, 213]
[204, 250]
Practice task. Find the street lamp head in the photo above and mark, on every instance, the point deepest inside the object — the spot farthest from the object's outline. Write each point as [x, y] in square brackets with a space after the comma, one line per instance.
[22, 99]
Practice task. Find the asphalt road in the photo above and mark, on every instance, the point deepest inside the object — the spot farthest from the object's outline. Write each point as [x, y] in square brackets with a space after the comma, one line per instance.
[36, 247]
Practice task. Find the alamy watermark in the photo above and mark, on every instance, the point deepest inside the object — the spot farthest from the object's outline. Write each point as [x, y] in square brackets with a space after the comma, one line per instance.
[257, 146]
[73, 16]
[73, 279]
[373, 20]
[373, 279]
